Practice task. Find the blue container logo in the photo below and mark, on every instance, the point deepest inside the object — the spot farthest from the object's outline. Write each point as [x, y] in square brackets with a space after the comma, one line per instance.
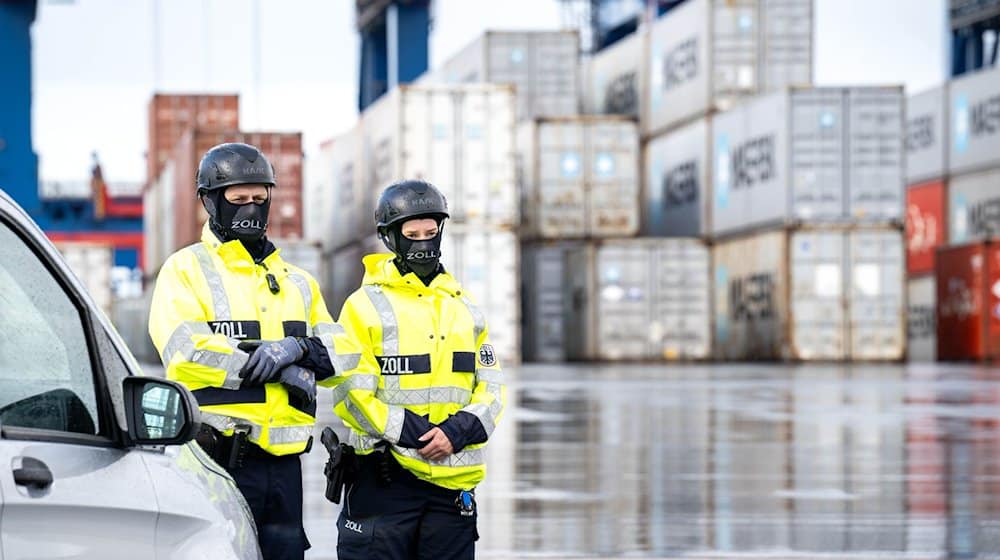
[722, 167]
[959, 218]
[604, 165]
[570, 165]
[961, 123]
[827, 120]
[517, 56]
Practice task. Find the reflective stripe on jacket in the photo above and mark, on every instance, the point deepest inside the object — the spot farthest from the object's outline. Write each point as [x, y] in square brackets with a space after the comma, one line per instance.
[432, 349]
[208, 298]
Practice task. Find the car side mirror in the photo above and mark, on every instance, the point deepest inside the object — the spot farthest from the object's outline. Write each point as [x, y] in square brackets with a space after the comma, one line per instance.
[159, 412]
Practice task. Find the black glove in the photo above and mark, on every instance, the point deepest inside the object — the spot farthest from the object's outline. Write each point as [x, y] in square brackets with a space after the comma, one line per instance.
[300, 383]
[267, 361]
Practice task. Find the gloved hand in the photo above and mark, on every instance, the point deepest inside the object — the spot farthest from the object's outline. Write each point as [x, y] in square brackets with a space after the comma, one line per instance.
[267, 361]
[300, 383]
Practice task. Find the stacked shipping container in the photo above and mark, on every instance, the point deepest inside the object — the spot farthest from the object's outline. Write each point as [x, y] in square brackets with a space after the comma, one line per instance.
[953, 207]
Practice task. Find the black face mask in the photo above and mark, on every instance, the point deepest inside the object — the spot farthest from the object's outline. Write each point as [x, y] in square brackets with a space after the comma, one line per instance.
[422, 257]
[245, 222]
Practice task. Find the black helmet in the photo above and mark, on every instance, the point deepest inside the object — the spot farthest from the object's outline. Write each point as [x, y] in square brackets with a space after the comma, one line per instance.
[409, 199]
[226, 165]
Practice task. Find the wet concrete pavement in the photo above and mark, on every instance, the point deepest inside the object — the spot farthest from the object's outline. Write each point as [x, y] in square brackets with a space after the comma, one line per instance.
[766, 460]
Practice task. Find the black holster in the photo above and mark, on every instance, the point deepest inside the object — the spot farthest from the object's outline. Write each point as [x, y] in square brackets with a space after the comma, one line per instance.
[340, 467]
[227, 451]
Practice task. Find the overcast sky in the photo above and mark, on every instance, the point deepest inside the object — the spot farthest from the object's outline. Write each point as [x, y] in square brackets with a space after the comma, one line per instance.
[96, 63]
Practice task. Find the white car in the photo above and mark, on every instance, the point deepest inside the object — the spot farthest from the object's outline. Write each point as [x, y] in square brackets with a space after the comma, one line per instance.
[95, 460]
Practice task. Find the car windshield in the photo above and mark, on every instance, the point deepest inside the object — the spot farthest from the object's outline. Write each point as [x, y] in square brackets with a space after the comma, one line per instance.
[46, 377]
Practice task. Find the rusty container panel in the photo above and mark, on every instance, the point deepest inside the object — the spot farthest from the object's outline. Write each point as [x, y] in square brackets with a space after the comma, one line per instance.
[964, 295]
[170, 115]
[925, 225]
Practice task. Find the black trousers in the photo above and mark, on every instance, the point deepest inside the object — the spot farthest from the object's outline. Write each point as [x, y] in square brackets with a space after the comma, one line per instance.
[405, 519]
[272, 486]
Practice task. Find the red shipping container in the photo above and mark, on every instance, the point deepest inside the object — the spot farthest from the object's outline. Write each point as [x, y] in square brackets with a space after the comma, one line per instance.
[968, 302]
[925, 225]
[171, 115]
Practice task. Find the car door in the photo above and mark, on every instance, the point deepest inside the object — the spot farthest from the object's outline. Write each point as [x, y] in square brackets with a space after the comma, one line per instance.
[69, 489]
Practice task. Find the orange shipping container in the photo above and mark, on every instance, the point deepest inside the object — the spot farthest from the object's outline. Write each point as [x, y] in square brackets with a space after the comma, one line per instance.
[170, 115]
[284, 150]
[925, 227]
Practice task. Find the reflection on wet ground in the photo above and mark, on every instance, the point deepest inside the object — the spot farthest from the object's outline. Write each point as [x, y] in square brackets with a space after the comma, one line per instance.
[720, 460]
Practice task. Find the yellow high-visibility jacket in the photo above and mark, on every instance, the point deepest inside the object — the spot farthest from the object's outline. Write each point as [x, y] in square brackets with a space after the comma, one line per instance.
[432, 347]
[211, 296]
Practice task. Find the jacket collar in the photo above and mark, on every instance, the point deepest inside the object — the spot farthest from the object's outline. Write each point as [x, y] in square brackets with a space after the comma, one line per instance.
[381, 271]
[235, 255]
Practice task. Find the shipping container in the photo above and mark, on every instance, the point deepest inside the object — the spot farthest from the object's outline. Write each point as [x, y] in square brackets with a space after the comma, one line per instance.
[541, 65]
[921, 329]
[92, 263]
[180, 214]
[707, 55]
[158, 215]
[334, 201]
[676, 180]
[486, 263]
[171, 115]
[344, 271]
[968, 302]
[925, 225]
[458, 137]
[579, 177]
[638, 299]
[974, 111]
[813, 155]
[612, 79]
[926, 135]
[811, 294]
[974, 206]
[544, 301]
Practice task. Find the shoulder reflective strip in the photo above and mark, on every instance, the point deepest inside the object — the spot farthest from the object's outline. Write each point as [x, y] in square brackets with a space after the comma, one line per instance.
[209, 396]
[463, 362]
[390, 328]
[181, 341]
[289, 434]
[303, 285]
[490, 375]
[435, 395]
[404, 365]
[479, 321]
[363, 381]
[220, 301]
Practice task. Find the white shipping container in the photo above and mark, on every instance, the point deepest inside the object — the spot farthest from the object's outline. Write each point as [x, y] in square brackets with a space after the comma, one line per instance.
[612, 79]
[579, 177]
[974, 111]
[542, 65]
[676, 193]
[638, 299]
[974, 207]
[706, 55]
[921, 321]
[811, 294]
[92, 263]
[486, 263]
[817, 155]
[335, 211]
[458, 137]
[926, 134]
[544, 301]
[157, 220]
